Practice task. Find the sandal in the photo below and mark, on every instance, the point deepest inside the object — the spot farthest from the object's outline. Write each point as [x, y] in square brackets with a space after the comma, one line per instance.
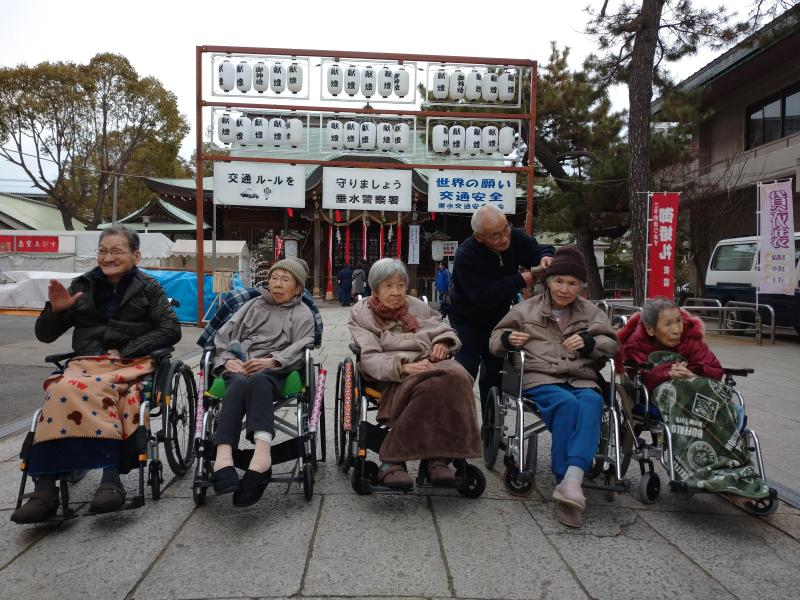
[40, 506]
[439, 473]
[108, 498]
[251, 488]
[225, 481]
[394, 475]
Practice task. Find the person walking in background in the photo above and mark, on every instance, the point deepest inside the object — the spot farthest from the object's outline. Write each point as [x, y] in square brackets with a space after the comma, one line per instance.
[442, 283]
[486, 280]
[345, 282]
[359, 280]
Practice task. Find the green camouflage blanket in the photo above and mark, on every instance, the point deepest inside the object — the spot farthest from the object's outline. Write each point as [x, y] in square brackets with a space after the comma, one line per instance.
[708, 444]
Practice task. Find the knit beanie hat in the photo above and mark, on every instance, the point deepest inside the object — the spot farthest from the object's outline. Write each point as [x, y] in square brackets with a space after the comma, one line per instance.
[568, 260]
[296, 266]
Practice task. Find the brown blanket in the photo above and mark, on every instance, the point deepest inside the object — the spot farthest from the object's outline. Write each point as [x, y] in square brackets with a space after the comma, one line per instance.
[432, 415]
[95, 397]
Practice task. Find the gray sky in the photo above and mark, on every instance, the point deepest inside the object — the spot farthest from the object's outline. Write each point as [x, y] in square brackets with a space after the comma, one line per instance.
[159, 37]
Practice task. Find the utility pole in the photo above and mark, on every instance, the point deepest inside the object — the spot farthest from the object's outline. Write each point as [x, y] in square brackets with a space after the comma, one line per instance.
[114, 202]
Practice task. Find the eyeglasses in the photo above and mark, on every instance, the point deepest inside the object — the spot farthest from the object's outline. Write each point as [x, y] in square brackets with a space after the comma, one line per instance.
[499, 236]
[281, 278]
[113, 252]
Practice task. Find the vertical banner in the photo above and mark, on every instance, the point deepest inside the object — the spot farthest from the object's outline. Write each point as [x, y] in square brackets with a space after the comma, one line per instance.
[329, 288]
[278, 247]
[347, 245]
[364, 238]
[663, 218]
[380, 241]
[776, 225]
[413, 244]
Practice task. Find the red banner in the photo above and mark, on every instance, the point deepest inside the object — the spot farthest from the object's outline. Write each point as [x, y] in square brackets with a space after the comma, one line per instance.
[347, 245]
[29, 243]
[380, 241]
[399, 240]
[661, 235]
[329, 288]
[278, 247]
[364, 239]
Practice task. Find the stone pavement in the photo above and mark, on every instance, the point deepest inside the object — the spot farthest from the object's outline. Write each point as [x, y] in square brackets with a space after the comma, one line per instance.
[436, 545]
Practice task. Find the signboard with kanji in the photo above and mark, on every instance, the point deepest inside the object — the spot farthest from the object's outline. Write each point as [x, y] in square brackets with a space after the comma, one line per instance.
[661, 244]
[366, 189]
[777, 274]
[259, 184]
[467, 191]
[30, 244]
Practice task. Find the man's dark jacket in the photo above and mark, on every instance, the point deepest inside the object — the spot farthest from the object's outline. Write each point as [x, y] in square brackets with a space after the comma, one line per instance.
[485, 283]
[142, 320]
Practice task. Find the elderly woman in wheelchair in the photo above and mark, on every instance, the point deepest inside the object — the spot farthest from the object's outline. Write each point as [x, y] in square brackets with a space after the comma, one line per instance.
[702, 418]
[119, 316]
[256, 350]
[426, 399]
[562, 335]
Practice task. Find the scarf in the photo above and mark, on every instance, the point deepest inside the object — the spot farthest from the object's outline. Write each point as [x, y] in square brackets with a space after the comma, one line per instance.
[407, 321]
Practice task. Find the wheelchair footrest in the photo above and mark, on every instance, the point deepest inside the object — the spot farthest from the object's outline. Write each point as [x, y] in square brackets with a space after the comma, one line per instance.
[621, 487]
[288, 450]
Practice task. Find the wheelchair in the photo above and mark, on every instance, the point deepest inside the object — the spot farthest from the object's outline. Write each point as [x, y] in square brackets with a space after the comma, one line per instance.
[355, 435]
[170, 392]
[306, 442]
[645, 417]
[520, 442]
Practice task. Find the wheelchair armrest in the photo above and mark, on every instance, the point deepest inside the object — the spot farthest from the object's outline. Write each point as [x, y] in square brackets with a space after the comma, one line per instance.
[738, 372]
[161, 353]
[355, 349]
[57, 358]
[644, 366]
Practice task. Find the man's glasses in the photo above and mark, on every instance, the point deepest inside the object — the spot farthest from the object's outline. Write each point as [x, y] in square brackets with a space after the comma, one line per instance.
[113, 252]
[499, 236]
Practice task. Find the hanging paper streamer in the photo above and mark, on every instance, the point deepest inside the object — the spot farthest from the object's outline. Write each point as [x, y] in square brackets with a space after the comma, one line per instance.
[399, 239]
[347, 245]
[380, 242]
[319, 395]
[329, 288]
[364, 238]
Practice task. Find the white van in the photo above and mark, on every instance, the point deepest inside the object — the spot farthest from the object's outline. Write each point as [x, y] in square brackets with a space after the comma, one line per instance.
[733, 275]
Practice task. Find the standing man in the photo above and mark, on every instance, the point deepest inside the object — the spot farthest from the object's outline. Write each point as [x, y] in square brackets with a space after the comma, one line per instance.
[486, 280]
[345, 282]
[442, 281]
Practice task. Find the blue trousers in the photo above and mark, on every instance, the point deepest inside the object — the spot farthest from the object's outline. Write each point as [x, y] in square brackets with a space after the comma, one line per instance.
[572, 416]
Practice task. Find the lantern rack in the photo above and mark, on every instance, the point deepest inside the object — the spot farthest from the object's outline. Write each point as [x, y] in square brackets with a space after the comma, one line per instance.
[279, 100]
[507, 80]
[293, 140]
[439, 145]
[402, 81]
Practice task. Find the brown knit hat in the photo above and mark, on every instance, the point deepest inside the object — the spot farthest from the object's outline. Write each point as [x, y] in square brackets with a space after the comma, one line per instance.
[296, 266]
[568, 260]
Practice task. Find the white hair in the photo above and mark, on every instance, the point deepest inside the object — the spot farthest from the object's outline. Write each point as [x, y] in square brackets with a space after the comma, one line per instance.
[479, 216]
[384, 269]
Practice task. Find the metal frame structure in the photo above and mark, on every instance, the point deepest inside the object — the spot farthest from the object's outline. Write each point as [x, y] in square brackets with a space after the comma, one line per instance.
[338, 55]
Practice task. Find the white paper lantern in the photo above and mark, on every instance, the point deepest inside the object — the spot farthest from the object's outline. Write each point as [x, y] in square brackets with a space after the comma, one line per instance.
[225, 128]
[352, 80]
[369, 79]
[260, 130]
[458, 83]
[385, 135]
[294, 132]
[294, 77]
[334, 80]
[226, 75]
[351, 134]
[368, 135]
[385, 81]
[402, 135]
[473, 143]
[472, 89]
[278, 78]
[243, 130]
[490, 87]
[439, 140]
[277, 131]
[458, 138]
[489, 139]
[441, 85]
[506, 143]
[401, 82]
[261, 77]
[506, 86]
[335, 134]
[244, 76]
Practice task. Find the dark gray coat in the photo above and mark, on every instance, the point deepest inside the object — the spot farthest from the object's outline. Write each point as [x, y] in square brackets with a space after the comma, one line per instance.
[142, 323]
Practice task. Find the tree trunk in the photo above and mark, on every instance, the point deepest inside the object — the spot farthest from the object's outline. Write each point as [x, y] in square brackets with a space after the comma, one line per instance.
[585, 242]
[66, 214]
[640, 94]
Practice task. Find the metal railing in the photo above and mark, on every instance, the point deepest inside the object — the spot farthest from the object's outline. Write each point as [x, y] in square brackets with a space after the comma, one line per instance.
[758, 308]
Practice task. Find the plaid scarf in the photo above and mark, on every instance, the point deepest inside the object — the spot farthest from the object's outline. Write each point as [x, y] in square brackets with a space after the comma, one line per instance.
[407, 321]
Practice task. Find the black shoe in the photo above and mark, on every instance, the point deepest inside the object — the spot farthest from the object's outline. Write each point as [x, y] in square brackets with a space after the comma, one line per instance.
[40, 506]
[251, 488]
[225, 481]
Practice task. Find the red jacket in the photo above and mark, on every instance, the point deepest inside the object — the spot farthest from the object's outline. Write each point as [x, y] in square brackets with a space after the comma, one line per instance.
[635, 344]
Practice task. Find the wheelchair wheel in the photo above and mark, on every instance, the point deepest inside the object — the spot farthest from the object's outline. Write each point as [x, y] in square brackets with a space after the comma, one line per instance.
[474, 482]
[763, 506]
[178, 419]
[155, 477]
[365, 472]
[308, 480]
[649, 488]
[492, 429]
[516, 486]
[199, 495]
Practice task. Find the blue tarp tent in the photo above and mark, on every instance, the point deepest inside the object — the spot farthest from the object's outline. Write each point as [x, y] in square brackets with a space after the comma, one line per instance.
[182, 285]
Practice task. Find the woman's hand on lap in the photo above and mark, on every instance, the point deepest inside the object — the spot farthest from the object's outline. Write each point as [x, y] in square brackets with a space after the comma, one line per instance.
[254, 365]
[439, 352]
[234, 365]
[574, 343]
[679, 370]
[417, 367]
[518, 338]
